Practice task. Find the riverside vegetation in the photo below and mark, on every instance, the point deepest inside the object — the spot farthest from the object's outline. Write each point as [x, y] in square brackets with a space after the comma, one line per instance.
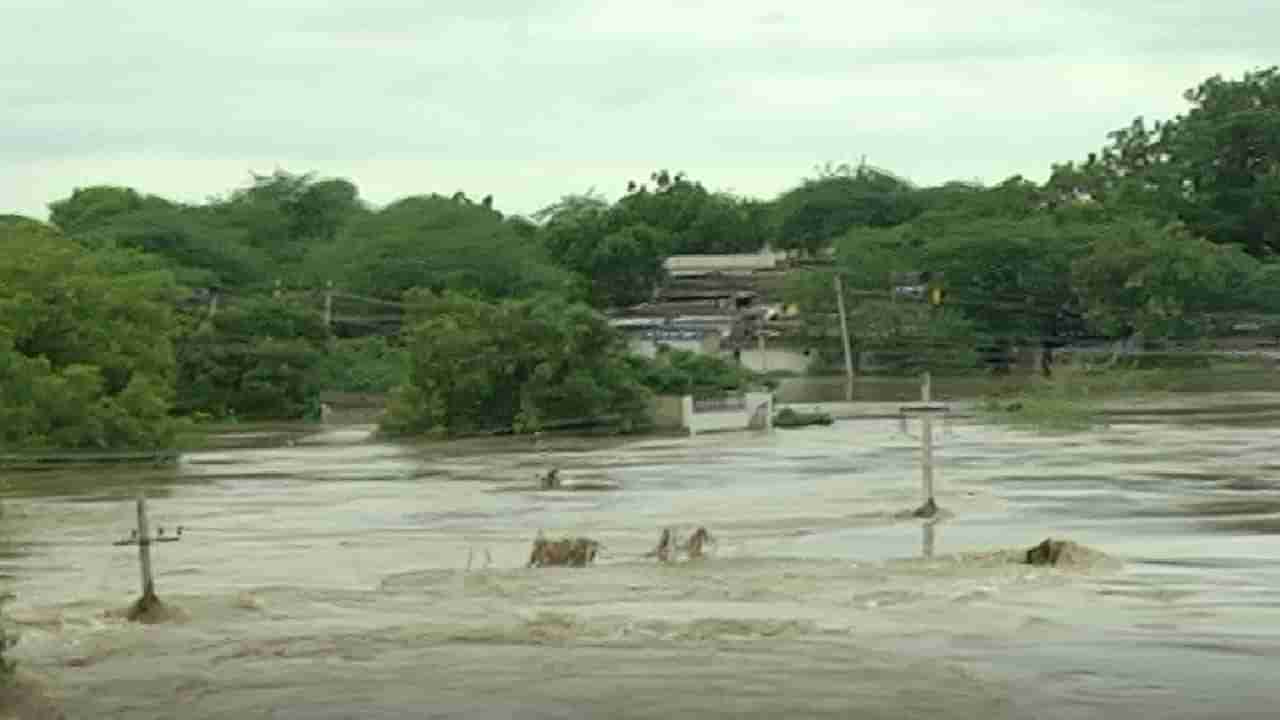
[1168, 233]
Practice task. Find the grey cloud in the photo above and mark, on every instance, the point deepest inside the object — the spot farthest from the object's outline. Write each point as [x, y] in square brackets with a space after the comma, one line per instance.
[538, 98]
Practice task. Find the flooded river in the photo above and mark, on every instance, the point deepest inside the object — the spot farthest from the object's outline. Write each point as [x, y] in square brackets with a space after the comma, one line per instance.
[329, 578]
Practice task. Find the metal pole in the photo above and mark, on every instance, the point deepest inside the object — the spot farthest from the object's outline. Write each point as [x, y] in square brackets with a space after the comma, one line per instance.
[328, 308]
[144, 549]
[926, 449]
[926, 436]
[764, 355]
[844, 335]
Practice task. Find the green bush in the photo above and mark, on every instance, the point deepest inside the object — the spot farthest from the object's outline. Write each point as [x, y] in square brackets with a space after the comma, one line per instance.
[362, 365]
[257, 359]
[1072, 399]
[516, 365]
[86, 359]
[681, 372]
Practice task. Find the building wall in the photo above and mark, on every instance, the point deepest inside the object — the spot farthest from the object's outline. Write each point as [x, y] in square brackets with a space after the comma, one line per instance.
[755, 414]
[669, 412]
[773, 359]
[645, 347]
[746, 262]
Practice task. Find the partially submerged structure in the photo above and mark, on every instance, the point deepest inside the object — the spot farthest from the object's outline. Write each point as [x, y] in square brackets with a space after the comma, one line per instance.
[719, 305]
[671, 543]
[565, 552]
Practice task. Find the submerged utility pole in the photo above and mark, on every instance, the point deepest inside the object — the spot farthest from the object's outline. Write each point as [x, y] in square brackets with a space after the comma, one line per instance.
[142, 538]
[844, 336]
[926, 412]
[929, 539]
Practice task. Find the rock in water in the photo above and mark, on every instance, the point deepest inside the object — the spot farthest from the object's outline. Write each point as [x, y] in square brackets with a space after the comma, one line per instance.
[1062, 553]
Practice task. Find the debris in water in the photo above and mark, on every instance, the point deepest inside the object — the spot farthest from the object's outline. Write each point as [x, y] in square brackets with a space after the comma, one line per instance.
[553, 481]
[669, 545]
[1061, 553]
[550, 481]
[573, 552]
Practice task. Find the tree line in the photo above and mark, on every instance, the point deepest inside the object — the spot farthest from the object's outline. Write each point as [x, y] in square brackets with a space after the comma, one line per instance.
[1168, 226]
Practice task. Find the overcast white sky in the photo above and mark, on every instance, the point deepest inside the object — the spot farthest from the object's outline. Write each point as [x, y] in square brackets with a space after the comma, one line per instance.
[535, 99]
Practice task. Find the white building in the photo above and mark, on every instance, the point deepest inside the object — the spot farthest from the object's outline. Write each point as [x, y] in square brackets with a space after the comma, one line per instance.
[736, 264]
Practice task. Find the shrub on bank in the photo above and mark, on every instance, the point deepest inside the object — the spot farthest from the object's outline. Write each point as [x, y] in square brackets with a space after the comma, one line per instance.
[1072, 399]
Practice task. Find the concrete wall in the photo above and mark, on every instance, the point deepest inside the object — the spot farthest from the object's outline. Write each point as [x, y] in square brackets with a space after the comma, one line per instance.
[743, 263]
[351, 408]
[645, 347]
[756, 414]
[772, 359]
[669, 411]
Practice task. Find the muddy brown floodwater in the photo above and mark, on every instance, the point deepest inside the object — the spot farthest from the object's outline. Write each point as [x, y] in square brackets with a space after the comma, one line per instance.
[328, 579]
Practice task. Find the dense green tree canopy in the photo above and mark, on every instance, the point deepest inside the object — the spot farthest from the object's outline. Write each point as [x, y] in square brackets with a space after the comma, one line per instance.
[695, 220]
[85, 353]
[1170, 231]
[199, 246]
[618, 264]
[255, 359]
[920, 335]
[94, 206]
[821, 209]
[285, 215]
[1216, 168]
[516, 364]
[436, 243]
[1163, 282]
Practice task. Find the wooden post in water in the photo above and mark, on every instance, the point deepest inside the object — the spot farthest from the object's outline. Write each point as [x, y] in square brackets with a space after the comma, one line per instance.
[844, 336]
